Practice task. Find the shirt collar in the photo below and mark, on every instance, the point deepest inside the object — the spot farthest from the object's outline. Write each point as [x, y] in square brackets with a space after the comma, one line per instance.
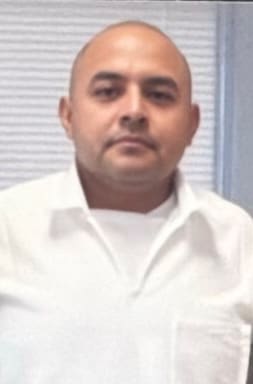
[187, 200]
[69, 194]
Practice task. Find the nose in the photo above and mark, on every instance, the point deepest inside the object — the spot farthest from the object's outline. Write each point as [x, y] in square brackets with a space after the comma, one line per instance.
[133, 114]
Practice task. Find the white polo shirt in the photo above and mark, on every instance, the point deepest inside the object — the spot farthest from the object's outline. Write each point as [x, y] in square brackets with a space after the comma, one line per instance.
[74, 309]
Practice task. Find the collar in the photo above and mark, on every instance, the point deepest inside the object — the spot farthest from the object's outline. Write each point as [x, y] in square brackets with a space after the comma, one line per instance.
[187, 199]
[68, 194]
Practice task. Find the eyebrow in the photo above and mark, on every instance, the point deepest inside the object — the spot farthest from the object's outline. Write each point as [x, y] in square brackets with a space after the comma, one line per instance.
[151, 81]
[106, 75]
[162, 80]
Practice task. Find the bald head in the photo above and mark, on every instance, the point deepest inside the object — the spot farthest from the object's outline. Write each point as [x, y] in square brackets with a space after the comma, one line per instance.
[130, 113]
[130, 27]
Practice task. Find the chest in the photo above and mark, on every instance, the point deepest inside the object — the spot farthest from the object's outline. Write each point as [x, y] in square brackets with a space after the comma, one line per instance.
[71, 313]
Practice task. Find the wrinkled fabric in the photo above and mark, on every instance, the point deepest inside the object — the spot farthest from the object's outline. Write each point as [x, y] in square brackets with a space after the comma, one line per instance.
[69, 313]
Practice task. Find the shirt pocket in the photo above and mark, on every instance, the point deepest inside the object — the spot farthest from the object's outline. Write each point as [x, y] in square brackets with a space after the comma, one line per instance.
[210, 352]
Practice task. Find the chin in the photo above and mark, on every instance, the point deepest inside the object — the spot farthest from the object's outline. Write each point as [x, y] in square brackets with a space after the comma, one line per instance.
[134, 175]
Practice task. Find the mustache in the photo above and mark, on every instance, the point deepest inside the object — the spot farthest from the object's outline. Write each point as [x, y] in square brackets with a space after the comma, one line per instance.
[146, 140]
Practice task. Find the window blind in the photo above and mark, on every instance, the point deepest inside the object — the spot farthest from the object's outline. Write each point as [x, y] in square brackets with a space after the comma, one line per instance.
[38, 42]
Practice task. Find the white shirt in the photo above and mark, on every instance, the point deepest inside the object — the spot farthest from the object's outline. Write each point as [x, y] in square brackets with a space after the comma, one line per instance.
[131, 234]
[70, 314]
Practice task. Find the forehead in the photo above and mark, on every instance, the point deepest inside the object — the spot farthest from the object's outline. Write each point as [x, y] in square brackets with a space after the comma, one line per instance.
[132, 51]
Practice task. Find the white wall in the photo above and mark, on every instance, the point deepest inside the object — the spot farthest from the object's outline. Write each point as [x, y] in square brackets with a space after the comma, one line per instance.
[242, 175]
[238, 112]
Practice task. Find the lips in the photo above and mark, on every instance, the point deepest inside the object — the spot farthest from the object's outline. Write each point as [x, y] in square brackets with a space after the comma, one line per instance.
[134, 140]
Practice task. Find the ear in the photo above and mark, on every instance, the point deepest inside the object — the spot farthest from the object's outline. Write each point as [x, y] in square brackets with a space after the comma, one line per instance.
[195, 120]
[65, 115]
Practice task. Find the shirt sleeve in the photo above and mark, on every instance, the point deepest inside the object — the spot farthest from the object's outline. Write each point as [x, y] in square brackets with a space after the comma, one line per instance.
[247, 259]
[5, 255]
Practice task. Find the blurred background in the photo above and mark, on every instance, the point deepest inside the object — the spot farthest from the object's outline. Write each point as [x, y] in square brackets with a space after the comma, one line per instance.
[39, 40]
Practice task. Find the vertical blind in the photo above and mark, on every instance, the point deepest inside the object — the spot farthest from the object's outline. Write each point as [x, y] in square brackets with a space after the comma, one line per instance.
[38, 42]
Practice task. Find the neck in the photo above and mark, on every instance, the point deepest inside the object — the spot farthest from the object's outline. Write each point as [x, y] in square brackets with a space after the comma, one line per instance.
[101, 194]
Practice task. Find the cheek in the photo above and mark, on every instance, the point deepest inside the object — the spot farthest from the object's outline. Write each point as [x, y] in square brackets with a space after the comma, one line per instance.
[173, 142]
[171, 150]
[92, 121]
[89, 133]
[173, 130]
[84, 128]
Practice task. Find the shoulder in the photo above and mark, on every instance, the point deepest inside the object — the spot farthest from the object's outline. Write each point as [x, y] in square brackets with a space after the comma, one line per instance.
[214, 209]
[30, 194]
[219, 209]
[229, 223]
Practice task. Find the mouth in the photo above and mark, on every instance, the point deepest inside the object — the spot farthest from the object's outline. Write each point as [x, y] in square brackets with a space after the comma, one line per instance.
[134, 141]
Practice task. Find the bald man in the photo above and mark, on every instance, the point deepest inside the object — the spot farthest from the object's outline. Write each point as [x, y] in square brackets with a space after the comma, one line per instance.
[117, 270]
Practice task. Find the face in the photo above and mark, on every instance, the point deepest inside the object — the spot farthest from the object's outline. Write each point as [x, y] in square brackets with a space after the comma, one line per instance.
[129, 113]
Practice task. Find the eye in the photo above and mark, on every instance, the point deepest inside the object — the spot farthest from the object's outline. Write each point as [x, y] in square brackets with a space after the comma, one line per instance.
[160, 97]
[107, 93]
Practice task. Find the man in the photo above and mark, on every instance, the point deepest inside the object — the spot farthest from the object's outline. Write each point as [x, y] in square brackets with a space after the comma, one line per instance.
[118, 271]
